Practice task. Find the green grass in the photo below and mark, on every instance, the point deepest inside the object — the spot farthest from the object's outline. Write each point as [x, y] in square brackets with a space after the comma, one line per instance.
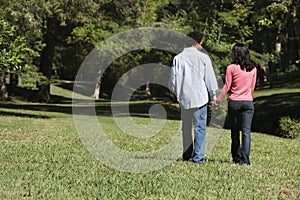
[42, 157]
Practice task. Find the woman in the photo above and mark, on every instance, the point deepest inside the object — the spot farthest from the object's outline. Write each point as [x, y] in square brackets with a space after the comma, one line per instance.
[240, 81]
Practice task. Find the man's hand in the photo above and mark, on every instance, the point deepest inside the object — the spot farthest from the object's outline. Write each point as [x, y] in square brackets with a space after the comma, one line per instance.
[214, 104]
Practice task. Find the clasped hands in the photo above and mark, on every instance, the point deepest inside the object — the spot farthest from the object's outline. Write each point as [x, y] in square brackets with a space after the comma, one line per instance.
[214, 104]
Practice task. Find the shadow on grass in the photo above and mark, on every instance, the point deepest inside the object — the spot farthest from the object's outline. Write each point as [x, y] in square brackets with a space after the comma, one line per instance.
[34, 107]
[269, 110]
[25, 115]
[102, 108]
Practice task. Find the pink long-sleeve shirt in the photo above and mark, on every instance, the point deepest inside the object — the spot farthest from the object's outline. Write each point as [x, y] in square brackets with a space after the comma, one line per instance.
[240, 82]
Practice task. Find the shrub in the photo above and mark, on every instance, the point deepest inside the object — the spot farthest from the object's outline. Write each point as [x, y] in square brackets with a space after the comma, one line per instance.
[289, 128]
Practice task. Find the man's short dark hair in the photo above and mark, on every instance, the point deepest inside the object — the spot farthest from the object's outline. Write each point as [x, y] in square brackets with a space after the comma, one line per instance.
[196, 35]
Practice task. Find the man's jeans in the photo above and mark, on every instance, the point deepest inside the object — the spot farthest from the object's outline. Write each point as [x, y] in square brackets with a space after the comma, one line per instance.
[196, 117]
[240, 114]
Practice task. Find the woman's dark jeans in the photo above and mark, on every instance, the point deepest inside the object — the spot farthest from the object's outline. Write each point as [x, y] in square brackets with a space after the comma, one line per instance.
[240, 114]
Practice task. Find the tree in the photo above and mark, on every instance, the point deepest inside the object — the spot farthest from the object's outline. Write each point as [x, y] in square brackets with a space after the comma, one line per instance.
[15, 54]
[52, 22]
[277, 30]
[58, 35]
[222, 22]
[127, 15]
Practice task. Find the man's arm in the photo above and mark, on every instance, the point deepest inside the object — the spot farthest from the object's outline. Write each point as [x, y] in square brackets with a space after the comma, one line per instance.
[210, 78]
[172, 77]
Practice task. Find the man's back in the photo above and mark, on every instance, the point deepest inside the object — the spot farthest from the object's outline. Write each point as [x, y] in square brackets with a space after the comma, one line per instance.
[192, 76]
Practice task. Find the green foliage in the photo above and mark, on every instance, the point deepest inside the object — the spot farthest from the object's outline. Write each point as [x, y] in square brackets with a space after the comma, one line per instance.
[74, 28]
[177, 22]
[261, 59]
[289, 128]
[235, 21]
[91, 33]
[29, 79]
[17, 56]
[291, 69]
[136, 13]
[277, 21]
[80, 42]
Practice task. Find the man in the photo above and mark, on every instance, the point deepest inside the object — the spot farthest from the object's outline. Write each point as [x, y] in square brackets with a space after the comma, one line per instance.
[194, 83]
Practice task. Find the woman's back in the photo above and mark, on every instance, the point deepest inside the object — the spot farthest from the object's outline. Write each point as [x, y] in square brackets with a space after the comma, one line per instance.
[243, 82]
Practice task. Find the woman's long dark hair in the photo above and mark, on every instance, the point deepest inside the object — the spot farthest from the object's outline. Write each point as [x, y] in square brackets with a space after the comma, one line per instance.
[242, 57]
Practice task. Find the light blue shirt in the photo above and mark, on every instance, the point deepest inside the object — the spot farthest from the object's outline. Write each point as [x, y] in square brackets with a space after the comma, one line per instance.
[192, 78]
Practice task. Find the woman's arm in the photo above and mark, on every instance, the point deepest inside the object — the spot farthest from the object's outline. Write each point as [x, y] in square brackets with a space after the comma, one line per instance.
[226, 87]
[254, 80]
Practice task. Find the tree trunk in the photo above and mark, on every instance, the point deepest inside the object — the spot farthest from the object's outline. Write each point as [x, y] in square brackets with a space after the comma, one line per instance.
[278, 50]
[14, 80]
[147, 90]
[293, 42]
[98, 84]
[3, 89]
[97, 89]
[47, 56]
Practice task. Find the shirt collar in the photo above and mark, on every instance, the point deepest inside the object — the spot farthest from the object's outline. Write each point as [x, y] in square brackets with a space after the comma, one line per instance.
[190, 49]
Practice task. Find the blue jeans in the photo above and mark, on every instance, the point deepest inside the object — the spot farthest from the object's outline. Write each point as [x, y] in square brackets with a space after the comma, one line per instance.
[240, 115]
[194, 117]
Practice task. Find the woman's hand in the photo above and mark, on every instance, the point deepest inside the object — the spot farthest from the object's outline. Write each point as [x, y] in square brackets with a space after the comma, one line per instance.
[214, 104]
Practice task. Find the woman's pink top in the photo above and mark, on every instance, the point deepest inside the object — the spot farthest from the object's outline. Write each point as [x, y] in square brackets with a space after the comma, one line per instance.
[240, 82]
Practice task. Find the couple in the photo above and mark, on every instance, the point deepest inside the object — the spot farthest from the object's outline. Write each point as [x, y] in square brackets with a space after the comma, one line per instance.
[194, 83]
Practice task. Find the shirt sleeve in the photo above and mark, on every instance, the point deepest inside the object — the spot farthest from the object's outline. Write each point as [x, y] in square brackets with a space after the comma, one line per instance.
[253, 80]
[210, 79]
[172, 78]
[227, 85]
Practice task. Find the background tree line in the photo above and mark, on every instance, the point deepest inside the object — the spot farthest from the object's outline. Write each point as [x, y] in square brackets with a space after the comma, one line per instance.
[43, 40]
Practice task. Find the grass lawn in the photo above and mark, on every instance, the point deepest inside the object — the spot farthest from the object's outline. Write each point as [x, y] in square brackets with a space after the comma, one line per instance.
[43, 157]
